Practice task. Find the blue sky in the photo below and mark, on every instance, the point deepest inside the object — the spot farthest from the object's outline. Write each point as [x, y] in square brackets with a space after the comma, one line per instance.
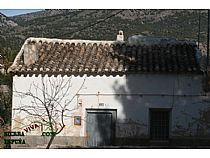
[12, 12]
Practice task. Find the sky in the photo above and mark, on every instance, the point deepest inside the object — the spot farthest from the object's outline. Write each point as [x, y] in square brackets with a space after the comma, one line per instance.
[111, 4]
[13, 12]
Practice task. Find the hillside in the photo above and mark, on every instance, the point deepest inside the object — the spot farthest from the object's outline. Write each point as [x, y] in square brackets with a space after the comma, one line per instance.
[6, 22]
[181, 24]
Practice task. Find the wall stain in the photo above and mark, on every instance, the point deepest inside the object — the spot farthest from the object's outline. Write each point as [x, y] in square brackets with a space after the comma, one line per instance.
[130, 128]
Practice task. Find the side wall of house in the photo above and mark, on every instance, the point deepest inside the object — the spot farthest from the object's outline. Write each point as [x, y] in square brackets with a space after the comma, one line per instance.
[132, 96]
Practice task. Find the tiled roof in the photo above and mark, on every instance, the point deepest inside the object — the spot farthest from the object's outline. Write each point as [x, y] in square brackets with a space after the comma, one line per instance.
[78, 57]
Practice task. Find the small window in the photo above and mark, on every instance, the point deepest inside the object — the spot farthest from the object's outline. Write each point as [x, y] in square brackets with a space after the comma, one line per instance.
[77, 120]
[159, 124]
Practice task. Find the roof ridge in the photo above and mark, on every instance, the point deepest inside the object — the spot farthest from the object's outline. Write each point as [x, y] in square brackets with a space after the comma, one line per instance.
[54, 40]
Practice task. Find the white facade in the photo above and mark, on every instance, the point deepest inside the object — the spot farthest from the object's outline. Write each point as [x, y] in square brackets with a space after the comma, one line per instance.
[132, 96]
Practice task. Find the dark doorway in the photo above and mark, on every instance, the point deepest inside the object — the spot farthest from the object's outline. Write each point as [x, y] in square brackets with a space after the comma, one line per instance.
[159, 124]
[100, 127]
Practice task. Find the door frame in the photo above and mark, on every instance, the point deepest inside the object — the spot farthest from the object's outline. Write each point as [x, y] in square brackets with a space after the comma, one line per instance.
[113, 123]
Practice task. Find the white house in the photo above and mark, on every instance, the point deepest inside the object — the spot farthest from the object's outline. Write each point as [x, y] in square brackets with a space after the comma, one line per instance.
[122, 94]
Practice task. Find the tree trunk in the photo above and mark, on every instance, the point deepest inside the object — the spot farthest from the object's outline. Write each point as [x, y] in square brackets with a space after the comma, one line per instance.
[50, 142]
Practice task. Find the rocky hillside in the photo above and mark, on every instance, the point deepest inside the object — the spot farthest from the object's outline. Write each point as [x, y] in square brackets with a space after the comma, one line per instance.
[6, 22]
[104, 24]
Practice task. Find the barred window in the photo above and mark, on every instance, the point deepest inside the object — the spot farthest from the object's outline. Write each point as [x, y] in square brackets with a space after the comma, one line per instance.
[159, 124]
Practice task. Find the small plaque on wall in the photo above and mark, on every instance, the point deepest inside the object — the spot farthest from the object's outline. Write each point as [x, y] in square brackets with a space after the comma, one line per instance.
[77, 120]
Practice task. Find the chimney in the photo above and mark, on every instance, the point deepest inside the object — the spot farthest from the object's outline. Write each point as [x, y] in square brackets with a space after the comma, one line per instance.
[30, 53]
[120, 36]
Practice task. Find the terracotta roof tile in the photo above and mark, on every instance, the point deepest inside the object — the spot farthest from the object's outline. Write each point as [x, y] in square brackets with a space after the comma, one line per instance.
[89, 57]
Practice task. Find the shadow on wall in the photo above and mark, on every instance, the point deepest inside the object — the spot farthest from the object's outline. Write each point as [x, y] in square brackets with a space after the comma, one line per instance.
[134, 108]
[190, 115]
[188, 118]
[133, 129]
[197, 126]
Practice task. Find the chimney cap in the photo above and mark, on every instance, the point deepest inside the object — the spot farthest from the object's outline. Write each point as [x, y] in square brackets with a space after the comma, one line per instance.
[120, 36]
[120, 32]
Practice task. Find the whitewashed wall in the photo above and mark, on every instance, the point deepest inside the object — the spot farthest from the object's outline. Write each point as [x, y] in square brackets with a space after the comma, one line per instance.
[132, 96]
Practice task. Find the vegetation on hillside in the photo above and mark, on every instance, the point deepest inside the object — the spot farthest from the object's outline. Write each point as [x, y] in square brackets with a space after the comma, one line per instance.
[181, 24]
